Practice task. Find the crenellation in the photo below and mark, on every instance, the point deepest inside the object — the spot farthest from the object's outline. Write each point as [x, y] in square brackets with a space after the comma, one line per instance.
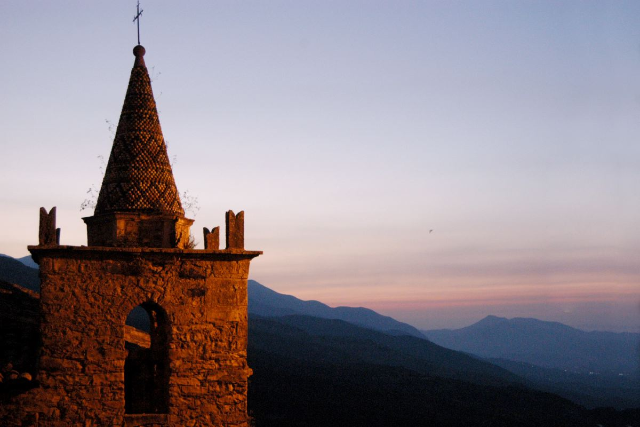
[235, 230]
[211, 238]
[48, 234]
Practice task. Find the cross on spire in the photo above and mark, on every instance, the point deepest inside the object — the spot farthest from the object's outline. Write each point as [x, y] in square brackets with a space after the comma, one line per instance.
[137, 18]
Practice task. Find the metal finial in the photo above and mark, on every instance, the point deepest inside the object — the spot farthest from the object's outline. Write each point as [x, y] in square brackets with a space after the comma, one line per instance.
[137, 18]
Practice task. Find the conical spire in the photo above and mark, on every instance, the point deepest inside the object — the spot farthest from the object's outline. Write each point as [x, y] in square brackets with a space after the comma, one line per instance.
[138, 177]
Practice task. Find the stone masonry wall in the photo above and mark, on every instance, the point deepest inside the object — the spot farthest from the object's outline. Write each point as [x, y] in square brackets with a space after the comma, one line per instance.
[86, 296]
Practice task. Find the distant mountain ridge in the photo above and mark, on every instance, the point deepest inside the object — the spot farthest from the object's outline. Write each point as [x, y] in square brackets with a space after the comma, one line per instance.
[546, 344]
[28, 261]
[269, 303]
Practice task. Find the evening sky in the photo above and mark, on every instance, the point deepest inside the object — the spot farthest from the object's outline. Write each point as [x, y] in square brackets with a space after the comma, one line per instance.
[435, 161]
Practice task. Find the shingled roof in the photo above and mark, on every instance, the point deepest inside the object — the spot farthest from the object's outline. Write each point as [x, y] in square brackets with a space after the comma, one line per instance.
[138, 175]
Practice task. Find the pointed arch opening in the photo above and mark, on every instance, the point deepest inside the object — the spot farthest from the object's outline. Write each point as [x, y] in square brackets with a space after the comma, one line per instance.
[146, 368]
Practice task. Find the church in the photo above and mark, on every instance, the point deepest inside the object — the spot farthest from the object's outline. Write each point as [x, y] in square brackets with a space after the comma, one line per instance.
[188, 367]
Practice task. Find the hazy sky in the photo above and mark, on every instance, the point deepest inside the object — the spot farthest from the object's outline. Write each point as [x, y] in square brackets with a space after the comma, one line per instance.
[347, 131]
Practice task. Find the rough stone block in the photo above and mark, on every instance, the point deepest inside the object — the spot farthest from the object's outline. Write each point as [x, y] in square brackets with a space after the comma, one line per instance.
[211, 238]
[47, 232]
[235, 230]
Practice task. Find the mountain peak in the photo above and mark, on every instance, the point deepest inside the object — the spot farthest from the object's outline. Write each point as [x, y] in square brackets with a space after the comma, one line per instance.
[491, 319]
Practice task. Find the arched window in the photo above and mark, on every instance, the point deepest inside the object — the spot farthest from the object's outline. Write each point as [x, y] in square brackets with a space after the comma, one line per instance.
[146, 368]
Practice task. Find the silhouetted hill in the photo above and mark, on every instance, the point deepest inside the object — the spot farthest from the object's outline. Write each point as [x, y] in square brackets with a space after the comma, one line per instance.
[546, 344]
[268, 303]
[14, 271]
[311, 338]
[316, 372]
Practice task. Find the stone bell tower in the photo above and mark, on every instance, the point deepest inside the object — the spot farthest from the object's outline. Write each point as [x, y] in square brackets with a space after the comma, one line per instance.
[190, 367]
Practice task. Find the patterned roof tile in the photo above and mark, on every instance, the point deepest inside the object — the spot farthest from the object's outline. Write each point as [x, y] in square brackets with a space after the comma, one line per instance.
[138, 175]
